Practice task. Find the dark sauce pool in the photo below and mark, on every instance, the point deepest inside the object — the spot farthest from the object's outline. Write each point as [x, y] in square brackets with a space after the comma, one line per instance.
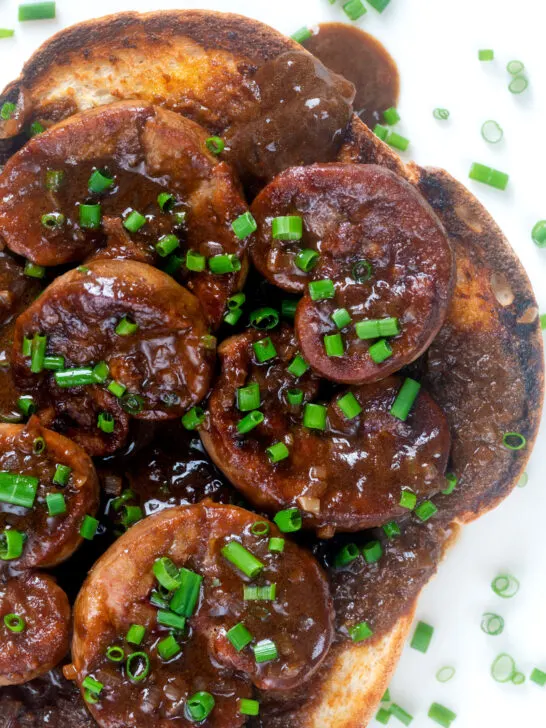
[362, 59]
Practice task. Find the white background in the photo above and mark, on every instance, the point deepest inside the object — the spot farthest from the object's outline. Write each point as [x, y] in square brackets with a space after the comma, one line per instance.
[435, 43]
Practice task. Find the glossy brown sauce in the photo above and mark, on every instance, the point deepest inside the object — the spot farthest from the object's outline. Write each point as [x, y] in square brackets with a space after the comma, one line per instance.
[364, 61]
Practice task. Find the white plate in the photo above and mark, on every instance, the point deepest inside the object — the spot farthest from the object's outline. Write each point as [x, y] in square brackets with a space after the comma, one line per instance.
[435, 43]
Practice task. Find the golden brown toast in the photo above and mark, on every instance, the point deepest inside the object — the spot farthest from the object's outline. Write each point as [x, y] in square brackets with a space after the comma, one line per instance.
[196, 63]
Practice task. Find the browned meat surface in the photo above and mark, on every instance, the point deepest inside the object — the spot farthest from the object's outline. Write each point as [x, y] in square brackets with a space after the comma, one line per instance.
[164, 363]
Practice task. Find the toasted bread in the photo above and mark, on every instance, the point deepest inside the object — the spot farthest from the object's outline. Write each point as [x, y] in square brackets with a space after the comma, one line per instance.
[196, 63]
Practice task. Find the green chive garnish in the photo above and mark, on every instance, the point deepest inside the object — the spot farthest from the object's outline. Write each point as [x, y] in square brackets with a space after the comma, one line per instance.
[289, 520]
[488, 176]
[289, 227]
[422, 637]
[505, 586]
[244, 226]
[405, 399]
[314, 416]
[36, 11]
[239, 636]
[242, 558]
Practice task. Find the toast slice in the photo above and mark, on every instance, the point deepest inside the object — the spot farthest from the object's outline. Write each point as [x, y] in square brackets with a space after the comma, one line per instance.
[197, 63]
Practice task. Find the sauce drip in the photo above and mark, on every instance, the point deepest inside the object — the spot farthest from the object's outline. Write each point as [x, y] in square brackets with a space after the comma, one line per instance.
[364, 61]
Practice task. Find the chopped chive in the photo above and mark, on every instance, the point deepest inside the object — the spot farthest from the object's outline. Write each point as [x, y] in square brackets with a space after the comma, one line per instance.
[383, 716]
[168, 648]
[37, 11]
[381, 131]
[514, 441]
[26, 405]
[132, 403]
[6, 33]
[265, 651]
[321, 290]
[376, 328]
[349, 553]
[56, 504]
[242, 558]
[100, 182]
[492, 624]
[314, 416]
[101, 372]
[195, 261]
[11, 544]
[538, 234]
[126, 327]
[391, 116]
[34, 271]
[250, 421]
[518, 85]
[134, 221]
[62, 474]
[538, 677]
[372, 552]
[137, 666]
[115, 653]
[515, 67]
[39, 446]
[349, 405]
[333, 345]
[166, 201]
[215, 144]
[194, 418]
[14, 622]
[239, 636]
[166, 573]
[391, 529]
[244, 225]
[289, 520]
[264, 318]
[422, 637]
[425, 510]
[441, 715]
[301, 35]
[106, 422]
[248, 398]
[277, 452]
[130, 515]
[26, 347]
[200, 706]
[90, 217]
[400, 714]
[264, 350]
[488, 176]
[341, 317]
[233, 316]
[503, 668]
[408, 500]
[37, 353]
[166, 245]
[236, 301]
[7, 110]
[169, 619]
[486, 55]
[441, 114]
[88, 528]
[266, 593]
[307, 259]
[294, 396]
[117, 389]
[360, 632]
[289, 227]
[186, 597]
[276, 545]
[380, 351]
[18, 490]
[505, 586]
[405, 399]
[445, 674]
[298, 366]
[492, 132]
[398, 141]
[451, 481]
[379, 5]
[53, 220]
[288, 307]
[259, 528]
[135, 635]
[518, 678]
[249, 707]
[354, 9]
[224, 263]
[54, 363]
